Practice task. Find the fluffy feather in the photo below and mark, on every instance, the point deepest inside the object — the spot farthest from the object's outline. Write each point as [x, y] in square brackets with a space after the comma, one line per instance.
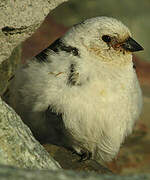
[97, 106]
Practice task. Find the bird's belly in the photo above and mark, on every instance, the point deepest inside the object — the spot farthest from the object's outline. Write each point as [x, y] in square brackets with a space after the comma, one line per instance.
[119, 104]
[98, 114]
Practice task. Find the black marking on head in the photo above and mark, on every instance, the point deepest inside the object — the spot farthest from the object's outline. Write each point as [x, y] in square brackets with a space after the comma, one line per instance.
[57, 46]
[70, 49]
[134, 66]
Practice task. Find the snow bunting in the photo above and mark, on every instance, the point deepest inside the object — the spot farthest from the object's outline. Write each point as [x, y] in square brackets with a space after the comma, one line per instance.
[82, 91]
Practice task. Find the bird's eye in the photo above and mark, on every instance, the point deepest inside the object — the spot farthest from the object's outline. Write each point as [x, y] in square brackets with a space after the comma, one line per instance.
[106, 38]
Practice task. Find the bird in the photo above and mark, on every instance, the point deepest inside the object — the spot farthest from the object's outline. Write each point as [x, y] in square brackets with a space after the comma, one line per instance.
[82, 92]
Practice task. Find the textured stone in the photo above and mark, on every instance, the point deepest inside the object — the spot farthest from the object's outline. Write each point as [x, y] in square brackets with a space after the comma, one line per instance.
[18, 20]
[8, 67]
[17, 145]
[19, 14]
[10, 173]
[70, 161]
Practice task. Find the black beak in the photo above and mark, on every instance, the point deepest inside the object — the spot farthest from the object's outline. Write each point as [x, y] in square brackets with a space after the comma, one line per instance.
[131, 45]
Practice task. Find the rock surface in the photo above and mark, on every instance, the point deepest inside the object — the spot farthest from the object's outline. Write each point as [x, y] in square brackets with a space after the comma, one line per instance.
[71, 161]
[11, 173]
[18, 20]
[17, 145]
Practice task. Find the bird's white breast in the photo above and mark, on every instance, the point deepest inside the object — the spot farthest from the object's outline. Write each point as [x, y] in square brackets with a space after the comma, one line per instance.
[101, 112]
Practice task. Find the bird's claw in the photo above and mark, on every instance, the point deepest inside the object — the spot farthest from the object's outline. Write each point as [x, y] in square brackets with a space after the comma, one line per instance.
[85, 155]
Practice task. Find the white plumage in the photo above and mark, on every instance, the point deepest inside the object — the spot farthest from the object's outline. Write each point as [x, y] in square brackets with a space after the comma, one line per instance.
[85, 94]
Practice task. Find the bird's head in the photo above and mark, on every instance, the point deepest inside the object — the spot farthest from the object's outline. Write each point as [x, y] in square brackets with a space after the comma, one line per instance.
[103, 37]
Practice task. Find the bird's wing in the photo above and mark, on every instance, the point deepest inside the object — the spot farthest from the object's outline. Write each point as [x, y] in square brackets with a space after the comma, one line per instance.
[56, 47]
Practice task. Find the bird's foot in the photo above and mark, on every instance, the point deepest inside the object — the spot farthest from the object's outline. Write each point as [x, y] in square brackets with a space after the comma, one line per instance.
[83, 153]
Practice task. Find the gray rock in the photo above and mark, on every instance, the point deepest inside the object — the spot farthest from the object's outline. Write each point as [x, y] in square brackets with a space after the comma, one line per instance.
[11, 173]
[8, 67]
[71, 161]
[17, 145]
[18, 20]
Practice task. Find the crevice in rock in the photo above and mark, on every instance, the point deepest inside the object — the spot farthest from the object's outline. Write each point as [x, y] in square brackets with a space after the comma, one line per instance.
[11, 30]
